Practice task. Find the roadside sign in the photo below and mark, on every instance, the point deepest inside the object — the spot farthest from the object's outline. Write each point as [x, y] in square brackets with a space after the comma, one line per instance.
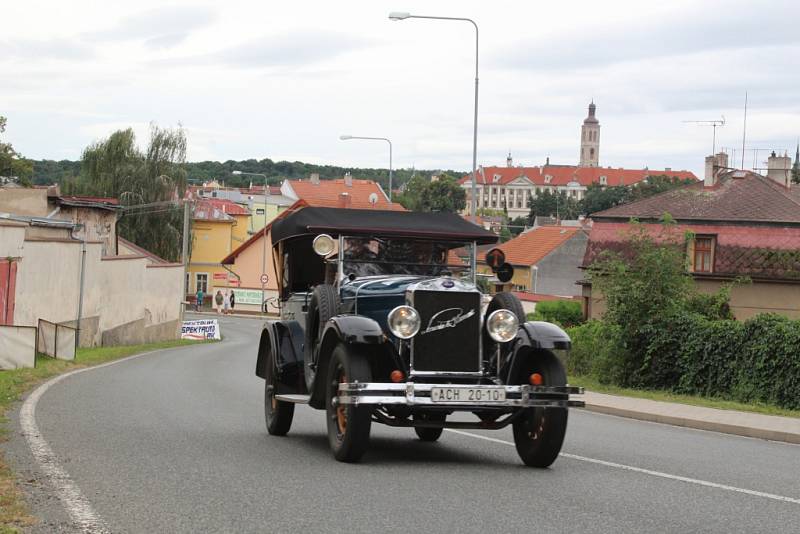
[201, 329]
[220, 276]
[264, 278]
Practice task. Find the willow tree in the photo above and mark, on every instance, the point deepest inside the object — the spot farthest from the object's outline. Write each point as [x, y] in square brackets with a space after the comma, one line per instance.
[148, 183]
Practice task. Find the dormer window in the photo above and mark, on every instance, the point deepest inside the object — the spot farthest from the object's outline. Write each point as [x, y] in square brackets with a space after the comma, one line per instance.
[496, 178]
[604, 180]
[548, 178]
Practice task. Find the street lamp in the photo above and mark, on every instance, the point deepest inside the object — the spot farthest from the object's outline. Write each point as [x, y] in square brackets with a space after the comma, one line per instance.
[349, 137]
[264, 244]
[400, 15]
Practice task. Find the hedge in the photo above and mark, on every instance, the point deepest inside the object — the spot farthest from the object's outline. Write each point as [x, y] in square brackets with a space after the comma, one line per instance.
[758, 360]
[564, 312]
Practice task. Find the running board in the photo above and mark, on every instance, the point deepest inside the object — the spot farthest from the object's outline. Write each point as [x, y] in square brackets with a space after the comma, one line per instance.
[297, 399]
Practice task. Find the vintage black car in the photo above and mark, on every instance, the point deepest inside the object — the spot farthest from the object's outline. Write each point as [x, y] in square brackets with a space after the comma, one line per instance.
[380, 321]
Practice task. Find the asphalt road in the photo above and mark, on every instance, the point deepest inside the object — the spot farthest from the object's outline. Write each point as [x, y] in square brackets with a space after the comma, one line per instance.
[175, 442]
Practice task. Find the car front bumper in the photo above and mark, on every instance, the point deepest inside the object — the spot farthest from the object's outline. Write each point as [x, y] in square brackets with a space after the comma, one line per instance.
[416, 394]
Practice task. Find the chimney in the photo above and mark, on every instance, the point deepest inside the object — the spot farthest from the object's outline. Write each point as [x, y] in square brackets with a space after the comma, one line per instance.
[314, 178]
[547, 162]
[348, 180]
[778, 169]
[344, 200]
[714, 166]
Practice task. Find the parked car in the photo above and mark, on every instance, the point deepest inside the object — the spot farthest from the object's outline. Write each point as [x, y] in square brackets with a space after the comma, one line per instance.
[381, 322]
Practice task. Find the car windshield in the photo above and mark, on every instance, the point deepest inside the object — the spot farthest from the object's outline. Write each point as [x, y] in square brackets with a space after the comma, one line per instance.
[369, 256]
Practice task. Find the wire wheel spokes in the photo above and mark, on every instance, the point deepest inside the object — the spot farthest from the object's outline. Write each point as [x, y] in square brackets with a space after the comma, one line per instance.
[339, 415]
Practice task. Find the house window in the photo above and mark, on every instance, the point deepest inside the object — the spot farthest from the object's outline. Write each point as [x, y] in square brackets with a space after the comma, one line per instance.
[703, 254]
[259, 211]
[201, 282]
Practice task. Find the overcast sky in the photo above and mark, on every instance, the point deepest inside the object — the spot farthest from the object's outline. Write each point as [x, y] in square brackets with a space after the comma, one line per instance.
[284, 79]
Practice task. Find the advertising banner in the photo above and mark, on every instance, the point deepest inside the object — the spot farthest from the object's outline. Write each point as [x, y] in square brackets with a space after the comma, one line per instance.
[200, 329]
[248, 296]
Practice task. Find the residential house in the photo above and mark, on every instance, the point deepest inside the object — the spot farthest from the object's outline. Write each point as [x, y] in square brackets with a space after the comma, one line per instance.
[744, 225]
[546, 260]
[220, 226]
[263, 208]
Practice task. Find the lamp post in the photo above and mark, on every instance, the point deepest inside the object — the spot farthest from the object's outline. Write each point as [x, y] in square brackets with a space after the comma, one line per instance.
[264, 239]
[349, 137]
[473, 201]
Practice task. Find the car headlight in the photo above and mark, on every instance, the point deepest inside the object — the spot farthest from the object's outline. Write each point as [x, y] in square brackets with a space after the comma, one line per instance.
[502, 325]
[323, 245]
[404, 322]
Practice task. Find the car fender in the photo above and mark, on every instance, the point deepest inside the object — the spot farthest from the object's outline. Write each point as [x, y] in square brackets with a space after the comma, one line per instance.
[532, 336]
[543, 335]
[349, 329]
[285, 340]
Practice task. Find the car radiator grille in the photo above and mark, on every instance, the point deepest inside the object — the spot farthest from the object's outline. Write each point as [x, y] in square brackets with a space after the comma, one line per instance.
[449, 338]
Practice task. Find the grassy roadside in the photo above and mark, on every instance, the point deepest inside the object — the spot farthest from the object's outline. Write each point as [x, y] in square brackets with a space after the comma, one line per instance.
[13, 384]
[592, 384]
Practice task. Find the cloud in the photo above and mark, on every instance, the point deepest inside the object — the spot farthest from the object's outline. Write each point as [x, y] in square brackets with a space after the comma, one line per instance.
[43, 49]
[290, 51]
[705, 28]
[162, 27]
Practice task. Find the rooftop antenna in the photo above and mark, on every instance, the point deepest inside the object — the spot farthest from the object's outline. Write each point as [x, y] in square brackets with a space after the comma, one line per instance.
[714, 125]
[744, 130]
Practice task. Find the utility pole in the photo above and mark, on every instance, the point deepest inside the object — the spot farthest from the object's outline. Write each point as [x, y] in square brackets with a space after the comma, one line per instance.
[187, 212]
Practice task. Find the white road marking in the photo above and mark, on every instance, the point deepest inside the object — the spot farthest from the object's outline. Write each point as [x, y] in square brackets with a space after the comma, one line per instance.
[650, 472]
[77, 505]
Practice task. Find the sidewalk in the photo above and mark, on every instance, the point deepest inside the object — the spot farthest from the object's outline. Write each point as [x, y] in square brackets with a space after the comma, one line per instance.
[753, 425]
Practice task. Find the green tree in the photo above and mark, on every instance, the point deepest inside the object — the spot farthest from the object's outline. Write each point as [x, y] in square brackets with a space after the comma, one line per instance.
[517, 225]
[549, 204]
[599, 198]
[12, 164]
[115, 167]
[445, 195]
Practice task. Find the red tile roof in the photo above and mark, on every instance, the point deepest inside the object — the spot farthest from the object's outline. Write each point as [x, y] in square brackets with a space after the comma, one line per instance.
[327, 194]
[217, 209]
[531, 246]
[80, 198]
[564, 174]
[751, 198]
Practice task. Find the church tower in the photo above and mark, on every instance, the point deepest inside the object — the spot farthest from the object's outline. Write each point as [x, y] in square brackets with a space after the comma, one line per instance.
[590, 139]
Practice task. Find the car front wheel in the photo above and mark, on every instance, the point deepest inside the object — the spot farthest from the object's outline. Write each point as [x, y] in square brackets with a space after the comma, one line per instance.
[348, 425]
[539, 432]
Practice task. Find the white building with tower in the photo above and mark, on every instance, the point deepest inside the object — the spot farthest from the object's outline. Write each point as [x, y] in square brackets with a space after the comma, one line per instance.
[511, 187]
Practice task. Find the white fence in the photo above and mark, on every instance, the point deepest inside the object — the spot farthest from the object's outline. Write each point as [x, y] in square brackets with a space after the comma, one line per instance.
[17, 346]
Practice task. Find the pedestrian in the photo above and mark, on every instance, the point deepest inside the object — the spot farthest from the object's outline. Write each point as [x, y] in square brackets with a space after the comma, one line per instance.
[218, 301]
[233, 300]
[226, 303]
[198, 299]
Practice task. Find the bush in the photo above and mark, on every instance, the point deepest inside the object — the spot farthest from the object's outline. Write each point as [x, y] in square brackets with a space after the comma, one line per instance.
[754, 361]
[563, 312]
[595, 348]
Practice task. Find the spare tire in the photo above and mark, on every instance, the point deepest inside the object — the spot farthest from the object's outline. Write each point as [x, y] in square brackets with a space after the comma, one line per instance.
[323, 305]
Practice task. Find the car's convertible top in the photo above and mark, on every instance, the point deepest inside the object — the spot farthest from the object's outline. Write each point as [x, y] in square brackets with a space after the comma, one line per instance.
[364, 222]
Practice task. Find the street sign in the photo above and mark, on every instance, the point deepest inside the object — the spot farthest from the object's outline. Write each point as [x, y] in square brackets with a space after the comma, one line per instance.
[264, 278]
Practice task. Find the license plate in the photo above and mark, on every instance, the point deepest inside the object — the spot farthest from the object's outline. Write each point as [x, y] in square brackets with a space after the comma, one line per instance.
[465, 394]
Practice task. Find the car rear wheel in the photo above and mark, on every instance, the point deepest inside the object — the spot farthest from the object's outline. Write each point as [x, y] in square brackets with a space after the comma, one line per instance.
[278, 414]
[348, 425]
[539, 432]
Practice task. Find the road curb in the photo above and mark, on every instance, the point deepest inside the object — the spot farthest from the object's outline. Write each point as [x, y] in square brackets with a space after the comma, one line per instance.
[713, 426]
